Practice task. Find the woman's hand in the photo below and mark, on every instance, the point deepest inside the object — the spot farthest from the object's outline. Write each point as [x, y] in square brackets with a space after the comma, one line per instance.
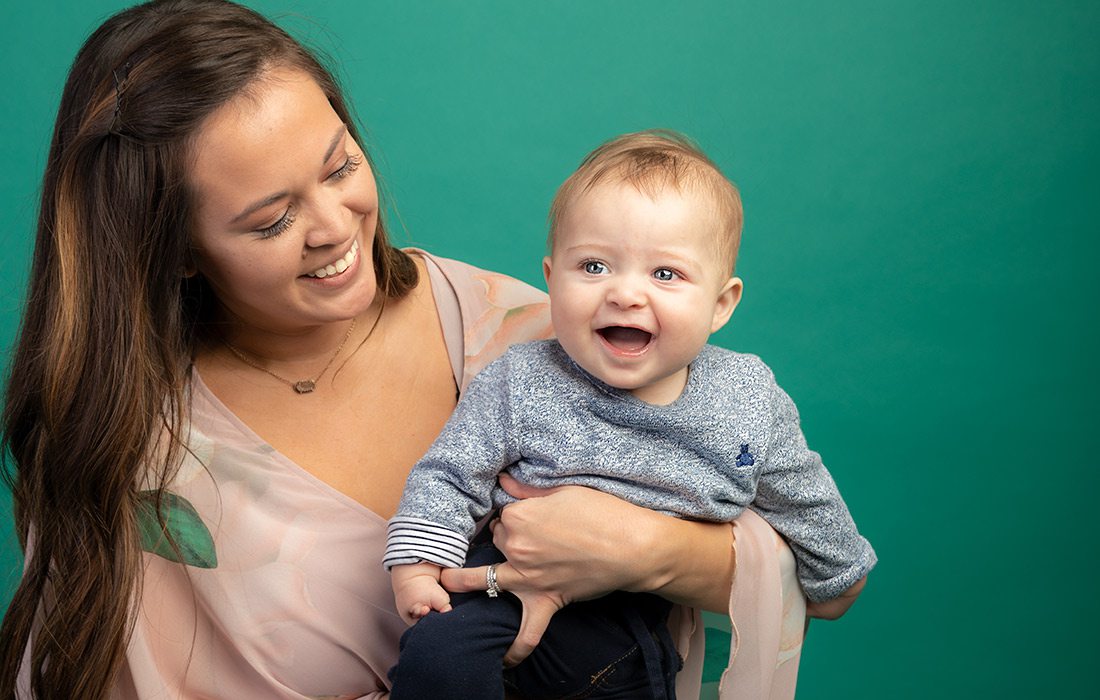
[573, 543]
[561, 545]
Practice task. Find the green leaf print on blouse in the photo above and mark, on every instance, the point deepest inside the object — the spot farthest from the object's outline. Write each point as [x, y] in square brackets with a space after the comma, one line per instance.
[196, 546]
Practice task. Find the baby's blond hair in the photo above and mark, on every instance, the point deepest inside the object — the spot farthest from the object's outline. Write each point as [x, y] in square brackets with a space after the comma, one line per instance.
[650, 161]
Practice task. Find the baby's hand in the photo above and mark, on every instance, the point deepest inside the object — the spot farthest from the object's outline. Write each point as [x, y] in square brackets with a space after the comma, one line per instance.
[417, 592]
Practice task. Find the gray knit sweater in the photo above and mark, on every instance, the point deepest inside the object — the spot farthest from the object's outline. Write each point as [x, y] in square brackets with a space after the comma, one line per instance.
[732, 440]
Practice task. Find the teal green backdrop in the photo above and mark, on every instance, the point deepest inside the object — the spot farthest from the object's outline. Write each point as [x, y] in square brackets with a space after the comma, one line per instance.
[921, 196]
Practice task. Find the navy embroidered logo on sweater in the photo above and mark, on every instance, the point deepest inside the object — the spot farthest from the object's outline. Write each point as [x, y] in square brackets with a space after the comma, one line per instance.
[745, 459]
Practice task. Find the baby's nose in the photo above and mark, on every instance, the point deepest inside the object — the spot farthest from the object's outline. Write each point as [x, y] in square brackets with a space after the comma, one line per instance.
[626, 293]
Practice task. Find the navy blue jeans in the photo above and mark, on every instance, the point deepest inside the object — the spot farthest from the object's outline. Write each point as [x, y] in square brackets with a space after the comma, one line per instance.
[617, 646]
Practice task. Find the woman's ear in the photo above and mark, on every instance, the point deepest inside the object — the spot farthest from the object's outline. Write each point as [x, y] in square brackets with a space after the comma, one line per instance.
[189, 269]
[728, 298]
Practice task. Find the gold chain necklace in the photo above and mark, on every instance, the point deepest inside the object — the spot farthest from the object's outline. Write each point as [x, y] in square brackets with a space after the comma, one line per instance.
[302, 386]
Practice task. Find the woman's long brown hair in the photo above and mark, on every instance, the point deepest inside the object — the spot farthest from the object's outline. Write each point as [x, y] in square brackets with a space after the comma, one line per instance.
[97, 396]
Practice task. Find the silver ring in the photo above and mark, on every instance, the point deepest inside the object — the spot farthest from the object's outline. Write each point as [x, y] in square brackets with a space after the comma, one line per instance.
[491, 586]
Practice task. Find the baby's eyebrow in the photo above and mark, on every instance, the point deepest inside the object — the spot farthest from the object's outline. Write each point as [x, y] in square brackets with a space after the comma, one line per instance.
[678, 260]
[589, 247]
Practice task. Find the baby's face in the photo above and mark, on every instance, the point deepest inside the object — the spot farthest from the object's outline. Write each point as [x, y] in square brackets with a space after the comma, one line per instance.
[636, 287]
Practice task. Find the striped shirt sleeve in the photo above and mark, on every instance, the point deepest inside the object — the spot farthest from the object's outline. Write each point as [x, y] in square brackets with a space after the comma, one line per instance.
[414, 540]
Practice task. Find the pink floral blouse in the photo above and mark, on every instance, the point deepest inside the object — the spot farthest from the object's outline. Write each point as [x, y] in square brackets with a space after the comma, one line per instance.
[283, 595]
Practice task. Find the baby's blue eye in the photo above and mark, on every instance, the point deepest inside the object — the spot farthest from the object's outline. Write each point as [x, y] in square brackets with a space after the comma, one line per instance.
[664, 274]
[595, 267]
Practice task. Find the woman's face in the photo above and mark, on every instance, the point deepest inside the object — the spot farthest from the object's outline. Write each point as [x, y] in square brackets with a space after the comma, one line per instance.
[286, 208]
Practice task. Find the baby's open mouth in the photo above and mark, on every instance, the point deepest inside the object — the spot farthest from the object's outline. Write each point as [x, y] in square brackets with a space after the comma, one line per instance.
[626, 339]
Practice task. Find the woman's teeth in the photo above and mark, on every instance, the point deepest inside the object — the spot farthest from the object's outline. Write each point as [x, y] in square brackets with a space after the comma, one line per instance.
[338, 266]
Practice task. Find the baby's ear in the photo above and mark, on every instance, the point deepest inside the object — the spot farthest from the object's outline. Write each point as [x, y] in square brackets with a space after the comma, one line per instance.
[546, 269]
[728, 298]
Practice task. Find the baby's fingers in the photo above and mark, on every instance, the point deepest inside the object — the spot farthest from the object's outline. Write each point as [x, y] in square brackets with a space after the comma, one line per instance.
[438, 600]
[411, 613]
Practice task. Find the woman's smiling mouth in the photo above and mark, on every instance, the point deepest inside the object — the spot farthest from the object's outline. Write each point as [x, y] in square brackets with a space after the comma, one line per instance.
[339, 266]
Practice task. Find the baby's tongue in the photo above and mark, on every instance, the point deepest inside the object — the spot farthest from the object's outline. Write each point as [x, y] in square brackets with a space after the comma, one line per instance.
[629, 339]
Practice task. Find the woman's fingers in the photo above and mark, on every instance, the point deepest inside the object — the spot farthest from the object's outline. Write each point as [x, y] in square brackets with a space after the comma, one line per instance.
[518, 490]
[538, 608]
[577, 541]
[471, 579]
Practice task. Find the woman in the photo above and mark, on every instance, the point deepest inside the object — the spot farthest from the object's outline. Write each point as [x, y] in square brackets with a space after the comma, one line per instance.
[224, 374]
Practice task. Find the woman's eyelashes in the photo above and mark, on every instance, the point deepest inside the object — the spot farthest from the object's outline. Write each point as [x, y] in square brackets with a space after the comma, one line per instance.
[350, 165]
[280, 226]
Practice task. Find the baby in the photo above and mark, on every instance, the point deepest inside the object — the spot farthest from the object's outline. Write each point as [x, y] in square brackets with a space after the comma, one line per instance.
[629, 399]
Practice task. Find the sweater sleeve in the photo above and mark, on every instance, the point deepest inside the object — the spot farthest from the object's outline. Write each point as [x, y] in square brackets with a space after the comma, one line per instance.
[449, 489]
[798, 497]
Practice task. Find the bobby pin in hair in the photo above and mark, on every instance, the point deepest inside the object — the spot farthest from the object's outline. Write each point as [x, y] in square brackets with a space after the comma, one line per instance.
[118, 93]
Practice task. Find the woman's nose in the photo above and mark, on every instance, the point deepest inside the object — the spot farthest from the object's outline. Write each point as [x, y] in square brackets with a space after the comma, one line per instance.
[328, 224]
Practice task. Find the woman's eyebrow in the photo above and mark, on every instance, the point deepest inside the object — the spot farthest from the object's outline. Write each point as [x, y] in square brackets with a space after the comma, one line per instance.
[336, 138]
[335, 142]
[258, 205]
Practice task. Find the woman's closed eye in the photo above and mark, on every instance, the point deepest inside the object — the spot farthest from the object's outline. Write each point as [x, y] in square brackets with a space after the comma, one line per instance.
[351, 164]
[280, 226]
